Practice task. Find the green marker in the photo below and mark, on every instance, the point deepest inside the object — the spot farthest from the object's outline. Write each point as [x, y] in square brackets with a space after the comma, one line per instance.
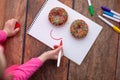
[91, 10]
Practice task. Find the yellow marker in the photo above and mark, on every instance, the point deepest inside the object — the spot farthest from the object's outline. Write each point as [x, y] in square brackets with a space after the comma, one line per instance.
[115, 28]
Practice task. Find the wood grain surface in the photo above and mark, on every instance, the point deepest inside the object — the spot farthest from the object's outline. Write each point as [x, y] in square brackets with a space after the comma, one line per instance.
[102, 61]
[13, 46]
[117, 8]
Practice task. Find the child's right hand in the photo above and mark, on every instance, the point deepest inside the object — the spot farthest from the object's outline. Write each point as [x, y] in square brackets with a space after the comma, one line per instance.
[9, 27]
[52, 54]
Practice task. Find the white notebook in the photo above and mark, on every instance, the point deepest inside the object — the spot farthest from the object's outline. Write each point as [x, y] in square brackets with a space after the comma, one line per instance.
[74, 49]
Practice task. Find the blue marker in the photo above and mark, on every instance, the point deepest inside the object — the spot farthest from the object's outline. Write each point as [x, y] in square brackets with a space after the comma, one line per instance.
[111, 14]
[112, 18]
[108, 10]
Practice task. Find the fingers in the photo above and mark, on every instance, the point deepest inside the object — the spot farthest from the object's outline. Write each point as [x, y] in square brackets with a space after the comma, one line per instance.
[13, 22]
[58, 49]
[16, 26]
[16, 30]
[56, 46]
[11, 27]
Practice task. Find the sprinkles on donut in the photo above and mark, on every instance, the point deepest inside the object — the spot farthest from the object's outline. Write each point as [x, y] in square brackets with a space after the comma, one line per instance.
[58, 16]
[79, 28]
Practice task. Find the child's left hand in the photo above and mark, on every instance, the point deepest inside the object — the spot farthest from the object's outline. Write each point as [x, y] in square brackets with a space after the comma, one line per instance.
[9, 27]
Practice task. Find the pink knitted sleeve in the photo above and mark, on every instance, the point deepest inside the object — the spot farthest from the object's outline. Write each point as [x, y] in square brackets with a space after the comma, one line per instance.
[25, 71]
[3, 36]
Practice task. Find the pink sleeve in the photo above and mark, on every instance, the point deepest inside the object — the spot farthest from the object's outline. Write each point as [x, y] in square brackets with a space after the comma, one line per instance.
[25, 71]
[3, 36]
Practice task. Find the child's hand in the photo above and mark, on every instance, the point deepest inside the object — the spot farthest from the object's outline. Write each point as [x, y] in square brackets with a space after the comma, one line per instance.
[52, 54]
[9, 27]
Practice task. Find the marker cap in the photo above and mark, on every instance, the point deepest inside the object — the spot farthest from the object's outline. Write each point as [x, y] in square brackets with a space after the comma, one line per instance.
[91, 10]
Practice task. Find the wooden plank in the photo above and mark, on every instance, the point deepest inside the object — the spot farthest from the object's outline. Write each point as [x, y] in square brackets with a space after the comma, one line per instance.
[117, 8]
[2, 5]
[100, 63]
[13, 46]
[34, 48]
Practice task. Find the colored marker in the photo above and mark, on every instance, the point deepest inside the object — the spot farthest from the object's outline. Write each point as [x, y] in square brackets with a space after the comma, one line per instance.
[59, 55]
[91, 10]
[108, 10]
[115, 28]
[112, 18]
[111, 14]
[59, 58]
[17, 25]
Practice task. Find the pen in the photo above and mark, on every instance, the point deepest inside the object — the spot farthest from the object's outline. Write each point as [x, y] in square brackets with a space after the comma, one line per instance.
[112, 18]
[111, 14]
[110, 24]
[108, 10]
[91, 10]
[59, 55]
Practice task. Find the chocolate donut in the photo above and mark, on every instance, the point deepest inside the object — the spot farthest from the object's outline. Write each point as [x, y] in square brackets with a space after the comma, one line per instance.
[58, 16]
[79, 29]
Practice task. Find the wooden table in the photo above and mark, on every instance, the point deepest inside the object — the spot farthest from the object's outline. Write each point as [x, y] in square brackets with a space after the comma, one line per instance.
[102, 61]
